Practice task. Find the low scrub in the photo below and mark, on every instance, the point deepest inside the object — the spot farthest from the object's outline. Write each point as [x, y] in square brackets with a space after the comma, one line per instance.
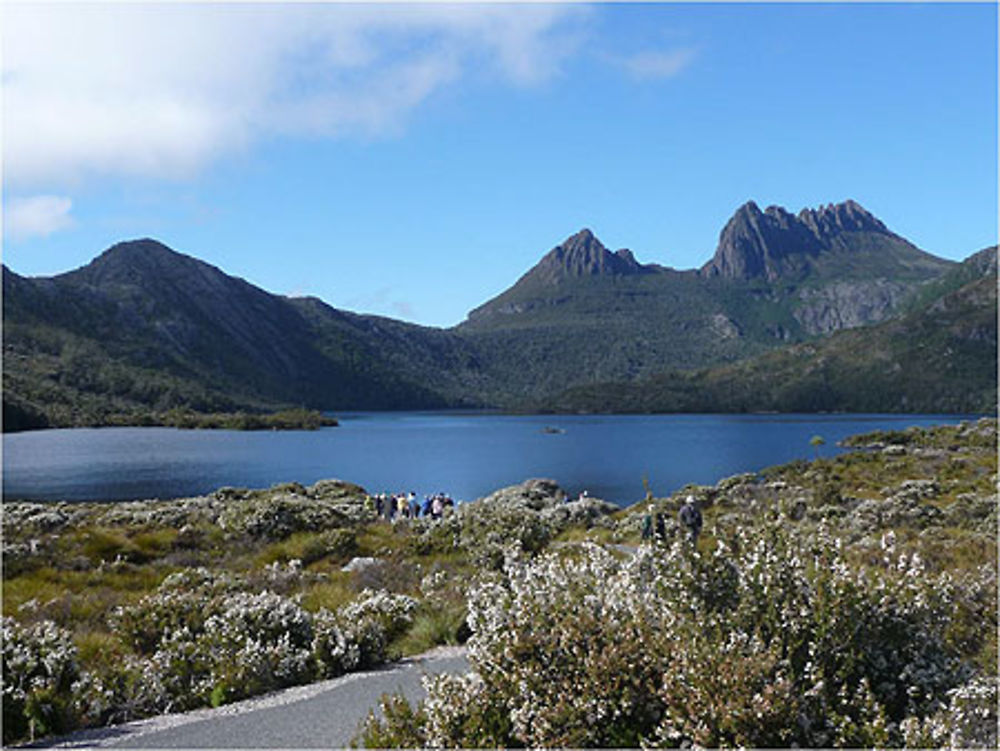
[200, 639]
[773, 639]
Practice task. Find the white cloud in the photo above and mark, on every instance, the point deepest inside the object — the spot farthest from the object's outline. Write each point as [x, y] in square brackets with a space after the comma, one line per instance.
[658, 63]
[162, 90]
[37, 216]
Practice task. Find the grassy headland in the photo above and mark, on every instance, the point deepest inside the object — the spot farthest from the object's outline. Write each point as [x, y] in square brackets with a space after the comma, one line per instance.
[113, 611]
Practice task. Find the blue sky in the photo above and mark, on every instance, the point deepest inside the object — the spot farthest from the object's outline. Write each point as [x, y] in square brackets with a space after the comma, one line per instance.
[414, 161]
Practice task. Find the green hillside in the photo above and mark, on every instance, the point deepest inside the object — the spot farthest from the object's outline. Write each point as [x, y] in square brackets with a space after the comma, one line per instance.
[145, 330]
[941, 357]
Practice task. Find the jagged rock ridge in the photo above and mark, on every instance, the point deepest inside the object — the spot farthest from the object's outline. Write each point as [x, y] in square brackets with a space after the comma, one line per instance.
[774, 243]
[583, 254]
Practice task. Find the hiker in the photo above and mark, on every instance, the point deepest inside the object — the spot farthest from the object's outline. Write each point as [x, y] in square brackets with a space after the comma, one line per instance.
[426, 509]
[647, 524]
[690, 518]
[661, 526]
[437, 508]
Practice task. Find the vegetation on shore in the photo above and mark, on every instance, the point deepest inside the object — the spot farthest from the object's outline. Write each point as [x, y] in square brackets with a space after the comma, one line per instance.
[289, 419]
[177, 417]
[114, 611]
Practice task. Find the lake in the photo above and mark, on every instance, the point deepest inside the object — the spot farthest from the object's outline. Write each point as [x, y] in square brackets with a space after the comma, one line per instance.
[464, 454]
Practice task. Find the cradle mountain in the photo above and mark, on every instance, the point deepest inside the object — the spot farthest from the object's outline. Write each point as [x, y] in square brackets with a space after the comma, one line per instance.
[824, 310]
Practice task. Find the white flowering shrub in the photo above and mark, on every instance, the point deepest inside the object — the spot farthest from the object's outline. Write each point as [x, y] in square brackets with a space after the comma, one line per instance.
[257, 642]
[968, 721]
[334, 652]
[39, 665]
[275, 516]
[183, 600]
[374, 620]
[201, 640]
[394, 612]
[209, 642]
[774, 639]
[129, 688]
[489, 529]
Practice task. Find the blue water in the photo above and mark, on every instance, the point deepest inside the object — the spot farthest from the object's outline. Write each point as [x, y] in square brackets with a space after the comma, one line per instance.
[466, 455]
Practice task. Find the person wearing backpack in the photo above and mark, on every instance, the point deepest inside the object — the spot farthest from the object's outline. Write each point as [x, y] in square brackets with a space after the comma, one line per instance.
[690, 518]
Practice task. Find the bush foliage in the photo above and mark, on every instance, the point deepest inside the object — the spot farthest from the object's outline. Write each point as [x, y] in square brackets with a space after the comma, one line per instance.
[773, 639]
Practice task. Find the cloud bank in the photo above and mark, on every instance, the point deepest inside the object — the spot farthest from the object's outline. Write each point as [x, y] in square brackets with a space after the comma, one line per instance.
[658, 64]
[37, 216]
[162, 90]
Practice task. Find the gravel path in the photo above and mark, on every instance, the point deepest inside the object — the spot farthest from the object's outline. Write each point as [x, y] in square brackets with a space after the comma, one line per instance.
[321, 715]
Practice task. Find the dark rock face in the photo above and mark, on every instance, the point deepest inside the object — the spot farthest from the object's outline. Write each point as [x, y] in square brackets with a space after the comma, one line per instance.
[774, 243]
[584, 255]
[832, 219]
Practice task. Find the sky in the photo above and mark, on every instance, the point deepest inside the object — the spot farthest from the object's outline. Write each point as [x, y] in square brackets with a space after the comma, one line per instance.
[414, 161]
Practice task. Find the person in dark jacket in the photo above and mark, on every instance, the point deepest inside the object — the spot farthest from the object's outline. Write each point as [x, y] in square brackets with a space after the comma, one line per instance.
[647, 524]
[690, 518]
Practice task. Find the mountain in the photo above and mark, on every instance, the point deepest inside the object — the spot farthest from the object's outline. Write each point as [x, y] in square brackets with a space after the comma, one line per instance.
[584, 314]
[939, 357]
[838, 239]
[143, 327]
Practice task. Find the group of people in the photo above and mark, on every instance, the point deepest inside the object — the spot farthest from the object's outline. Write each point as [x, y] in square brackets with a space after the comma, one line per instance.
[689, 516]
[408, 506]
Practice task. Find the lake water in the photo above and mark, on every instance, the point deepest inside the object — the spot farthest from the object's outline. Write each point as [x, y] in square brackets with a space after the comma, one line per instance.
[465, 455]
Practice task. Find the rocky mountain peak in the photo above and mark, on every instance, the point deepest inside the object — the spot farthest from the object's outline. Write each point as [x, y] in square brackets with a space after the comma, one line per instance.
[849, 216]
[756, 244]
[141, 262]
[583, 255]
[626, 255]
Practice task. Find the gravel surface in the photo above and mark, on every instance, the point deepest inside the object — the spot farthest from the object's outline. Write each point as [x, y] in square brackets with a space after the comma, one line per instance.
[320, 715]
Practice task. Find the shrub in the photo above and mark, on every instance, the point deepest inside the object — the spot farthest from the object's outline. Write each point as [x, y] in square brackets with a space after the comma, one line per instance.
[119, 691]
[489, 529]
[39, 670]
[391, 613]
[335, 654]
[276, 515]
[403, 726]
[773, 639]
[257, 643]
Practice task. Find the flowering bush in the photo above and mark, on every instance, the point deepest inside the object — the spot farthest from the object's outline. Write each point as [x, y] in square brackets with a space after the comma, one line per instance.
[528, 515]
[275, 517]
[206, 641]
[375, 619]
[334, 652]
[39, 670]
[774, 639]
[968, 721]
[183, 600]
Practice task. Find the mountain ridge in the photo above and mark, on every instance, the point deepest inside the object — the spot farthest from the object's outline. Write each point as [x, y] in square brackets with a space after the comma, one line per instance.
[940, 356]
[143, 326]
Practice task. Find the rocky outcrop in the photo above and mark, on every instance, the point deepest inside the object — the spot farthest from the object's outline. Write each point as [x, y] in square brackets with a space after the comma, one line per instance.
[757, 243]
[774, 243]
[582, 255]
[846, 305]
